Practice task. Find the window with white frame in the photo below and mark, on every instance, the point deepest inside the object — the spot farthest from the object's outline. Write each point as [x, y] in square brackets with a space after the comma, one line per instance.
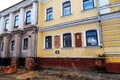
[88, 4]
[67, 40]
[28, 17]
[16, 22]
[25, 44]
[12, 45]
[91, 38]
[66, 8]
[48, 42]
[49, 13]
[7, 24]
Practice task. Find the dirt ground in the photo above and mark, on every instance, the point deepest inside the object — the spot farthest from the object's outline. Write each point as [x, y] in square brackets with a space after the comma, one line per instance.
[60, 74]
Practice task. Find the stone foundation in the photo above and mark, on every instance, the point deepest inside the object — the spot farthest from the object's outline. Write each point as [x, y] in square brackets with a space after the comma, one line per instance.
[29, 64]
[14, 62]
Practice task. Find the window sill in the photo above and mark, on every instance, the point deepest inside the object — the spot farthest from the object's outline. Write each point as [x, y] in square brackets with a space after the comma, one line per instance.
[48, 49]
[66, 15]
[84, 10]
[24, 50]
[92, 46]
[67, 48]
[49, 20]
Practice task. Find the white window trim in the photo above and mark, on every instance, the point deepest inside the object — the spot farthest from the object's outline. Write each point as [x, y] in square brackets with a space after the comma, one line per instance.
[98, 37]
[45, 18]
[52, 41]
[26, 13]
[72, 39]
[95, 5]
[5, 22]
[62, 6]
[23, 44]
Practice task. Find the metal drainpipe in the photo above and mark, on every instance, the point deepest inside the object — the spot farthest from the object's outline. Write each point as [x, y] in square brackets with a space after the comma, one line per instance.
[100, 24]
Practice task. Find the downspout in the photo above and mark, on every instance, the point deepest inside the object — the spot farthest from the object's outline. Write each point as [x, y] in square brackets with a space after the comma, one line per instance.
[36, 37]
[100, 24]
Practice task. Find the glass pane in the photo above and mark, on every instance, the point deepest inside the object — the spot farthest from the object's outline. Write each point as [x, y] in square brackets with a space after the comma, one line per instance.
[67, 11]
[88, 4]
[91, 41]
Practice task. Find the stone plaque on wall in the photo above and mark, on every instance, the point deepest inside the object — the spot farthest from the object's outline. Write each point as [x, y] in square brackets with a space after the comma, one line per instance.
[57, 41]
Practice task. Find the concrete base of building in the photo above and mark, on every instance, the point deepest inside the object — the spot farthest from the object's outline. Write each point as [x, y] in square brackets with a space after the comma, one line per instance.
[113, 67]
[5, 61]
[80, 63]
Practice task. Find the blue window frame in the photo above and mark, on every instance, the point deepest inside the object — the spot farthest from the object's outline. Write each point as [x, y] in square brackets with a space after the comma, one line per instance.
[48, 42]
[88, 4]
[16, 23]
[66, 6]
[28, 17]
[49, 14]
[91, 38]
[7, 24]
[67, 40]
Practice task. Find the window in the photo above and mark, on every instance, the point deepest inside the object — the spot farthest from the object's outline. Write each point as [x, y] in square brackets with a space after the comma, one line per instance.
[67, 40]
[48, 42]
[49, 14]
[28, 17]
[2, 45]
[88, 4]
[7, 24]
[12, 45]
[25, 44]
[66, 8]
[91, 38]
[16, 23]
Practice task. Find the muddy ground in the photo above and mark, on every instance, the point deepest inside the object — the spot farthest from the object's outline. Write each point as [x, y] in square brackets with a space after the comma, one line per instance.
[60, 74]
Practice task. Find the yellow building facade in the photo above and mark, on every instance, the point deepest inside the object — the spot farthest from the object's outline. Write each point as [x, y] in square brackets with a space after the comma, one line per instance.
[72, 37]
[111, 36]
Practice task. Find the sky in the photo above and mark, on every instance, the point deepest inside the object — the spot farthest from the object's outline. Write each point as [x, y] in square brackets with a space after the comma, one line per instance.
[7, 3]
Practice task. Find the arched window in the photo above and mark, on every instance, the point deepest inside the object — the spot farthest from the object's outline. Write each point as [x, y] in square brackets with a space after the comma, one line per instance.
[66, 7]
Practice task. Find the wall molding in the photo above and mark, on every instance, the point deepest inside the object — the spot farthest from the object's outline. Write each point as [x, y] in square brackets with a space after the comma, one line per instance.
[70, 24]
[110, 16]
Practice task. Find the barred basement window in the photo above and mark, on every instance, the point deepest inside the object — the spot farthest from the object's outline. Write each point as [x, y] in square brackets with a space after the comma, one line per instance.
[48, 42]
[67, 40]
[88, 4]
[66, 6]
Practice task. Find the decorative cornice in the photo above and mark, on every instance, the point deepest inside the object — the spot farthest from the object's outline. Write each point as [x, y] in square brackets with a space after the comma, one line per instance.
[109, 16]
[43, 1]
[71, 23]
[16, 7]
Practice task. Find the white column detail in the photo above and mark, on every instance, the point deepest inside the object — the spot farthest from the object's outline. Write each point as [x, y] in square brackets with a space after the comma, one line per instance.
[34, 13]
[2, 22]
[21, 18]
[11, 22]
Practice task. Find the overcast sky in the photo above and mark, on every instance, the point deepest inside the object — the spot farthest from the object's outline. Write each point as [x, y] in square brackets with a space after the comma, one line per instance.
[7, 3]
